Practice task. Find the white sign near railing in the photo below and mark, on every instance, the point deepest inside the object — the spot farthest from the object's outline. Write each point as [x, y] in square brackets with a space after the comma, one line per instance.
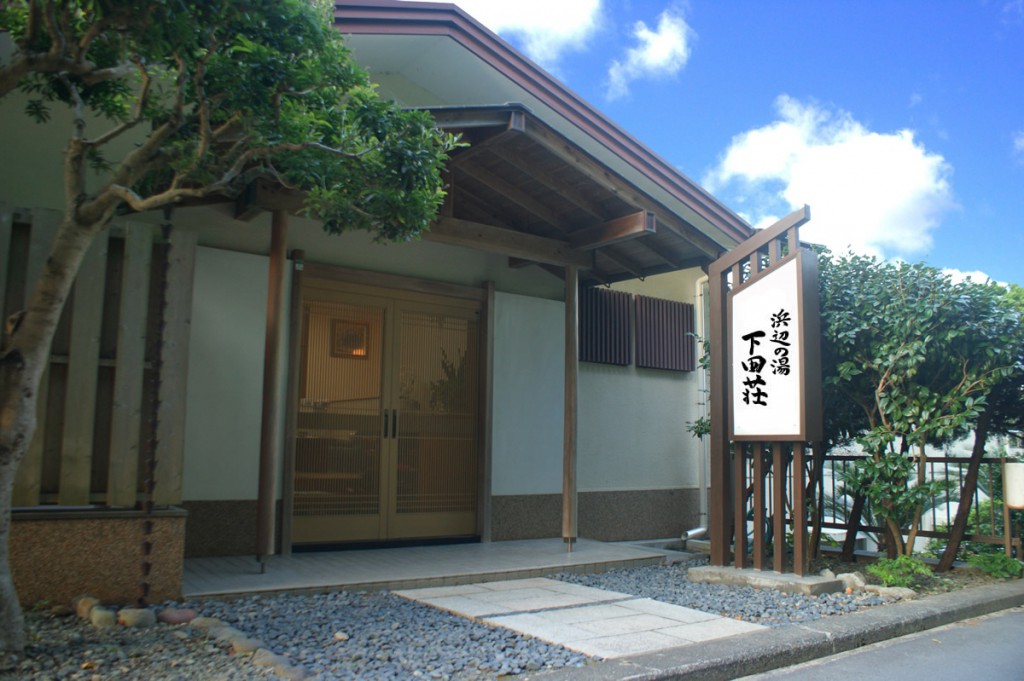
[766, 355]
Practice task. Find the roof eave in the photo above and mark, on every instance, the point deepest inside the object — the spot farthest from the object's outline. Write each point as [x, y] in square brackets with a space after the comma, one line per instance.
[392, 17]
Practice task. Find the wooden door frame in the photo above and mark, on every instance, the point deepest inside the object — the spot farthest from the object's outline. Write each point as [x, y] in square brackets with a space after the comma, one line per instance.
[301, 270]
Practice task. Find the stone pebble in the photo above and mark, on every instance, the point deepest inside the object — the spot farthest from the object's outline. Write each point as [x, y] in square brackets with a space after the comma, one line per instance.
[372, 635]
[760, 606]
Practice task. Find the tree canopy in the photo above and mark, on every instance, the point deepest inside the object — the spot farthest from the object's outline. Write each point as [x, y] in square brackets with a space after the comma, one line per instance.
[178, 101]
[912, 360]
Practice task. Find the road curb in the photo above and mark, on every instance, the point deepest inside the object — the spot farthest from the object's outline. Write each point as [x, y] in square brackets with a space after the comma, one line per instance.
[731, 658]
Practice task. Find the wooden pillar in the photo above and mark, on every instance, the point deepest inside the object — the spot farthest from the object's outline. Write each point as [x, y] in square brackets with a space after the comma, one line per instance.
[801, 558]
[292, 400]
[569, 520]
[720, 508]
[779, 507]
[265, 501]
[759, 452]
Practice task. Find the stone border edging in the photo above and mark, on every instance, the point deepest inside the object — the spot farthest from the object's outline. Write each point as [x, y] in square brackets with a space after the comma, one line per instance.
[760, 652]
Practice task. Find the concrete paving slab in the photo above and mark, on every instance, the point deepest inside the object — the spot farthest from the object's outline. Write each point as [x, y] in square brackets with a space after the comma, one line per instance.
[766, 649]
[622, 645]
[592, 621]
[675, 612]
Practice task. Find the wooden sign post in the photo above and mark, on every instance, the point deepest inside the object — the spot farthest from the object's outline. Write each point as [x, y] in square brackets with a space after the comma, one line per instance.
[765, 393]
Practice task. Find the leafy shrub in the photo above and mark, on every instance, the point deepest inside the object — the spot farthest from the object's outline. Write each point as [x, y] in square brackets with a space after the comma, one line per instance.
[906, 571]
[998, 565]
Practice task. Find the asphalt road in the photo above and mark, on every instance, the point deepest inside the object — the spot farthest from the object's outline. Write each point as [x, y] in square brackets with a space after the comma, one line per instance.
[989, 648]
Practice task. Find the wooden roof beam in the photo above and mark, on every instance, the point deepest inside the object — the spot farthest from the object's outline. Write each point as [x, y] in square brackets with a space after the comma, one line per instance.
[597, 172]
[509, 242]
[640, 223]
[521, 198]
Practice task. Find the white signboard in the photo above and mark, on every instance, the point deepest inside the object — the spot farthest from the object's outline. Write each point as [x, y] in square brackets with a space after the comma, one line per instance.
[765, 356]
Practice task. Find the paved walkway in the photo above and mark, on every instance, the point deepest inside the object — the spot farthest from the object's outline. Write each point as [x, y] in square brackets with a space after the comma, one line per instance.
[592, 621]
[408, 567]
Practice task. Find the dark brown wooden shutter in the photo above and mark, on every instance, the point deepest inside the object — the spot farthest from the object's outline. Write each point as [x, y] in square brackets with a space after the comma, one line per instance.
[664, 334]
[605, 334]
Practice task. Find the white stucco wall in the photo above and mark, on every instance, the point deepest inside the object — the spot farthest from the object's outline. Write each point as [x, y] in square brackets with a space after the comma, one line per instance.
[529, 370]
[632, 428]
[632, 422]
[225, 382]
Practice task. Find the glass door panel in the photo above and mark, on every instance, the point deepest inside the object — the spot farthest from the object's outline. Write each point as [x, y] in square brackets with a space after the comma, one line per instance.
[339, 489]
[435, 478]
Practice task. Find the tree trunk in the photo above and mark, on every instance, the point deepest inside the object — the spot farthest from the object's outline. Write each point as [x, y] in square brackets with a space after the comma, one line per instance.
[24, 358]
[852, 527]
[956, 533]
[12, 624]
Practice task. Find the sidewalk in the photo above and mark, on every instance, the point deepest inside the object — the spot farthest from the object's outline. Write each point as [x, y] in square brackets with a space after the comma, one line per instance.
[760, 651]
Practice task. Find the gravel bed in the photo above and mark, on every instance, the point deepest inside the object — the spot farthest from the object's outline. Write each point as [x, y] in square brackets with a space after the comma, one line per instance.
[371, 636]
[760, 606]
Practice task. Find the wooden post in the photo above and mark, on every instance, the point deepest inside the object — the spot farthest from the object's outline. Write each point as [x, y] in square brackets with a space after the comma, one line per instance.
[265, 501]
[800, 555]
[779, 507]
[720, 515]
[292, 400]
[739, 504]
[127, 413]
[170, 446]
[569, 509]
[83, 374]
[28, 482]
[760, 451]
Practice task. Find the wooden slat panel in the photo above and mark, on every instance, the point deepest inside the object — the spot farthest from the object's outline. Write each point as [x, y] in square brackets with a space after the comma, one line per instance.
[28, 485]
[170, 453]
[83, 363]
[605, 321]
[6, 220]
[127, 412]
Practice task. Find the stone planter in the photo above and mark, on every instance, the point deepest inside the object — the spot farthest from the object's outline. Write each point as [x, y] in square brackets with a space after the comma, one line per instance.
[1013, 482]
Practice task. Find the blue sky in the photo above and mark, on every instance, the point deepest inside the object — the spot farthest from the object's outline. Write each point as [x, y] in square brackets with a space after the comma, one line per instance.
[900, 123]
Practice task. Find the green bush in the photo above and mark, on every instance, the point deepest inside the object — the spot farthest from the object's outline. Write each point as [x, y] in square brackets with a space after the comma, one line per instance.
[998, 565]
[906, 571]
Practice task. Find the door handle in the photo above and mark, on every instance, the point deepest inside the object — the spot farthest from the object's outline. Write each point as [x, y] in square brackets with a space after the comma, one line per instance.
[385, 424]
[394, 423]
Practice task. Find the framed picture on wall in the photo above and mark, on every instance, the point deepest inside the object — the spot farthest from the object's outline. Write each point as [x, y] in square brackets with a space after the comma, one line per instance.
[349, 339]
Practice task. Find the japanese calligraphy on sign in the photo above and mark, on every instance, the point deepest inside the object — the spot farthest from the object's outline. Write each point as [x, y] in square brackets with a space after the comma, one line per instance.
[765, 350]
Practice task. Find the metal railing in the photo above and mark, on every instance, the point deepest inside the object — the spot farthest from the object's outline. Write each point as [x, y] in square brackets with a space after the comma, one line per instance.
[830, 501]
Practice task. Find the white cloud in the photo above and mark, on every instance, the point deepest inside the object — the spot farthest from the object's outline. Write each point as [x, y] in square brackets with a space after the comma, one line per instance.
[658, 53]
[976, 276]
[1018, 145]
[546, 28]
[877, 193]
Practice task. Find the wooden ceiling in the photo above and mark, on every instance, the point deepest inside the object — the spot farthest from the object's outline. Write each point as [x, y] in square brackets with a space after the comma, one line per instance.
[523, 190]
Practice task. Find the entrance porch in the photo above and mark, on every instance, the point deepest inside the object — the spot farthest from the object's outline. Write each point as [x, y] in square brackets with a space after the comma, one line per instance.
[407, 567]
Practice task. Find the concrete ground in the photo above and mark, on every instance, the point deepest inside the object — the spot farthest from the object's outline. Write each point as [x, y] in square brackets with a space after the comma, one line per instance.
[760, 651]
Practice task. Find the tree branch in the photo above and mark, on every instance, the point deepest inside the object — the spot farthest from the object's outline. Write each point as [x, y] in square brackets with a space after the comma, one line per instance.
[140, 106]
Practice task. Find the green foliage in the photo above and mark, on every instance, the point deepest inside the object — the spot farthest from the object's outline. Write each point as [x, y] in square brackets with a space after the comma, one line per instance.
[985, 519]
[906, 571]
[216, 94]
[910, 359]
[998, 565]
[448, 393]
